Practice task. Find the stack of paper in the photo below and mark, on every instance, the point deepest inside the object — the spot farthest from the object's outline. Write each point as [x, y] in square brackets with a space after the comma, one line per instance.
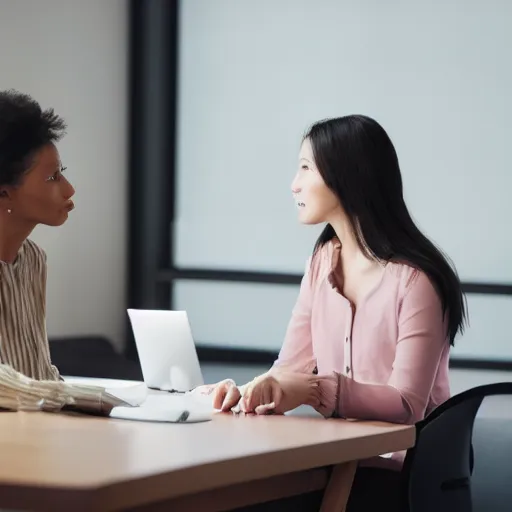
[161, 406]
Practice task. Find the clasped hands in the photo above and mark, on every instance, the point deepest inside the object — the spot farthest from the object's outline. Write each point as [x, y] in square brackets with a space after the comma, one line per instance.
[276, 391]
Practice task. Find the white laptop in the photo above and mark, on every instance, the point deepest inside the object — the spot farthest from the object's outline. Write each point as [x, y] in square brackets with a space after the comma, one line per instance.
[166, 349]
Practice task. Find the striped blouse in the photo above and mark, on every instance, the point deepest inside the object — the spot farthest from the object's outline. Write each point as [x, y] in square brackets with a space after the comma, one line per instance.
[28, 380]
[23, 338]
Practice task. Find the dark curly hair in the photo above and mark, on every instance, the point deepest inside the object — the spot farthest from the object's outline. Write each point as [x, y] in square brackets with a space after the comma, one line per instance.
[24, 129]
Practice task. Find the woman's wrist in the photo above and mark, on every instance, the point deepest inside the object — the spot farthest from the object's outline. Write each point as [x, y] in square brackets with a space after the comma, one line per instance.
[328, 395]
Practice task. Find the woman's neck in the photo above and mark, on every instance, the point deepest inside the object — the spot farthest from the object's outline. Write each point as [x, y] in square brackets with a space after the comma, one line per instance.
[357, 273]
[11, 239]
[352, 256]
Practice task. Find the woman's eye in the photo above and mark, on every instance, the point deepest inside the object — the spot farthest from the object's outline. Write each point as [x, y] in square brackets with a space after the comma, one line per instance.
[305, 168]
[57, 175]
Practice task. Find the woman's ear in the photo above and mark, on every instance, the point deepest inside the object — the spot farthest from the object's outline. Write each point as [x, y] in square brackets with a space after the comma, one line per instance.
[5, 199]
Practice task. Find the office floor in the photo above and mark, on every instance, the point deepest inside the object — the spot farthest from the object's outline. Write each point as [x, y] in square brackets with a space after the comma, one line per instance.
[492, 436]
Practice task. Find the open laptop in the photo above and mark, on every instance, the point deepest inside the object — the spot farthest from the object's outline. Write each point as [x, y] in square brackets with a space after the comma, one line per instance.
[166, 349]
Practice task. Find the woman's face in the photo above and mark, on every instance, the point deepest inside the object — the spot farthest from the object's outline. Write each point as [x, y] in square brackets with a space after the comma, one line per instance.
[44, 195]
[315, 201]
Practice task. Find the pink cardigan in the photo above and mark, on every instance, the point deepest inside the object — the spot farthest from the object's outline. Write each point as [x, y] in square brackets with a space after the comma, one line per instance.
[387, 361]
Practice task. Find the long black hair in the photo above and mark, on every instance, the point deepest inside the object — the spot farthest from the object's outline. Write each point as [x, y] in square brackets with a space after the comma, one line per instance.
[358, 162]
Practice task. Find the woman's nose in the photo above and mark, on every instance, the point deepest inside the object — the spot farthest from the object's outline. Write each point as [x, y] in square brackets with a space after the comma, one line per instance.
[69, 190]
[295, 186]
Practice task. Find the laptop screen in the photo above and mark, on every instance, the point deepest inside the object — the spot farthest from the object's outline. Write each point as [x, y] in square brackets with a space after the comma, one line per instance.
[166, 349]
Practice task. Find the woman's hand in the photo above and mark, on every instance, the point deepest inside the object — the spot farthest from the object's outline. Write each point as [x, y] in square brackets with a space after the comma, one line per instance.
[280, 391]
[262, 395]
[225, 394]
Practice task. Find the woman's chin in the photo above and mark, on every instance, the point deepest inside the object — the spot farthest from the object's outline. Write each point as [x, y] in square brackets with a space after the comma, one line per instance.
[307, 219]
[57, 221]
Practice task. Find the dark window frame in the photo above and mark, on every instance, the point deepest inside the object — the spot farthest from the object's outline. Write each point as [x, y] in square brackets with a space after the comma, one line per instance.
[154, 67]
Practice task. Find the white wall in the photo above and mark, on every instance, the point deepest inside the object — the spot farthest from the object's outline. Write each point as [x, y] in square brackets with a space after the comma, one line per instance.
[254, 75]
[72, 55]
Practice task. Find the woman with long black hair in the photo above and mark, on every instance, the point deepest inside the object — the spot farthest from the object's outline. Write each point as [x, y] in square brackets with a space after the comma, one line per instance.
[378, 308]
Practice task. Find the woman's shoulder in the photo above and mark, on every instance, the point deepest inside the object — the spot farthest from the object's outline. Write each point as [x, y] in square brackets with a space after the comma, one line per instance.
[33, 254]
[407, 278]
[402, 277]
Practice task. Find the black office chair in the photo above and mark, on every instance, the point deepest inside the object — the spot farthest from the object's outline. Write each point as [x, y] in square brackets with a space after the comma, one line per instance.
[437, 471]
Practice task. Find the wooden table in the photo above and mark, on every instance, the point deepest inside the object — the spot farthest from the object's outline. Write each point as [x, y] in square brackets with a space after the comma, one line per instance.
[57, 462]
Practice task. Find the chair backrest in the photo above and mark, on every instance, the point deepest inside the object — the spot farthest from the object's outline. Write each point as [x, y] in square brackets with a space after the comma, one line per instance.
[437, 471]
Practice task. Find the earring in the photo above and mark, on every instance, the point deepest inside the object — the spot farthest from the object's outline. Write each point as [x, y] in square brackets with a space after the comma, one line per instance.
[9, 210]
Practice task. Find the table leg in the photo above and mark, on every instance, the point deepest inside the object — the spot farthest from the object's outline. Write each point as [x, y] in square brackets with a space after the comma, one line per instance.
[338, 488]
